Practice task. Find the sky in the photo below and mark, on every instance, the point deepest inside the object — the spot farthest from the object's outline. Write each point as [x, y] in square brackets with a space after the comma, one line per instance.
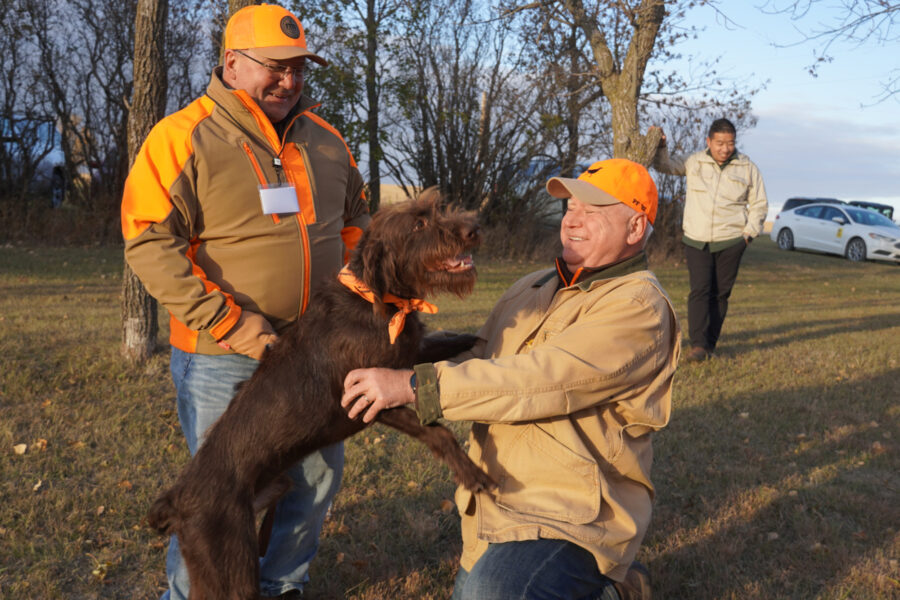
[815, 136]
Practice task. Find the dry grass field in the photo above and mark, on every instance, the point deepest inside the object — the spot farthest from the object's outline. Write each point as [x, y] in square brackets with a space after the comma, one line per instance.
[778, 477]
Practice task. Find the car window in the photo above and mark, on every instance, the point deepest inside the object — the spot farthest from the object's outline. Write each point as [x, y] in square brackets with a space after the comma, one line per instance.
[829, 213]
[867, 217]
[809, 211]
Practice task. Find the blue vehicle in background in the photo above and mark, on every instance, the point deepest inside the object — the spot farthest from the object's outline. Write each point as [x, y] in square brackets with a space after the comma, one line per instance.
[32, 160]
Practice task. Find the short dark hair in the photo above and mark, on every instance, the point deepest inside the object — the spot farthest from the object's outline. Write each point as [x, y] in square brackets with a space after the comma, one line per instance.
[721, 126]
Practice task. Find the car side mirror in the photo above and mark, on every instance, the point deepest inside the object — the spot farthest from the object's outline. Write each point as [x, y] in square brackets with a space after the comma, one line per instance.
[839, 220]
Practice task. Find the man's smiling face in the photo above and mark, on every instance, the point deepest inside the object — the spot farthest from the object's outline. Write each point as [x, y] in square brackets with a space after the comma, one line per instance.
[594, 236]
[276, 95]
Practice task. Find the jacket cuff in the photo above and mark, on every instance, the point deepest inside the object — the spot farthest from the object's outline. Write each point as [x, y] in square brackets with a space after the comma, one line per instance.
[223, 327]
[428, 403]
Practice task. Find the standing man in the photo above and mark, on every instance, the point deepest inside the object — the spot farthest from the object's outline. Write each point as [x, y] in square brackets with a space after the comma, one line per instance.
[724, 209]
[570, 375]
[236, 208]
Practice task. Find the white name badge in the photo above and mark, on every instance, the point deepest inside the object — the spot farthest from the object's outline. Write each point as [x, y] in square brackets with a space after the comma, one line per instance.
[277, 199]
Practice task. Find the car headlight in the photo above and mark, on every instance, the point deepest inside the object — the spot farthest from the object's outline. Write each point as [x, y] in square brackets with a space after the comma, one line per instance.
[882, 238]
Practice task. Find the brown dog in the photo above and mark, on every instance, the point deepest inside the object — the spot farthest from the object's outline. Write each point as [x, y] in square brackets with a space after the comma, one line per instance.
[291, 406]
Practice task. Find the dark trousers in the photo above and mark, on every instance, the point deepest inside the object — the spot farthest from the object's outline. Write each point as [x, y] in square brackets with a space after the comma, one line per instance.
[712, 275]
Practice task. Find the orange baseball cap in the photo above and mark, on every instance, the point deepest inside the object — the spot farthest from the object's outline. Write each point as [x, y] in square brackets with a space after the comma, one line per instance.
[271, 31]
[609, 181]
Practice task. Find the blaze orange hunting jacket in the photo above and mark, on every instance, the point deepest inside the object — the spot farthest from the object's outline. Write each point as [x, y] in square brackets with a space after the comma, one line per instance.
[195, 232]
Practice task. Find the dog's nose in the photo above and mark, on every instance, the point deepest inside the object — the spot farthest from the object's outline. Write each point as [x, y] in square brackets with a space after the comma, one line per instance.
[472, 232]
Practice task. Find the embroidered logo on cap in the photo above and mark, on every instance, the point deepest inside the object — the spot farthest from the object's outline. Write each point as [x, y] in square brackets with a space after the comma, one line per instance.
[289, 27]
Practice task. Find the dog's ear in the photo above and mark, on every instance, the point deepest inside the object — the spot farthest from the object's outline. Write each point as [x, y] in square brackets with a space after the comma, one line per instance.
[432, 196]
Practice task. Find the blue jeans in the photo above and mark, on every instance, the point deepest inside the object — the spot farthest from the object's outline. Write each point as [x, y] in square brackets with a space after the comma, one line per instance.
[205, 385]
[534, 570]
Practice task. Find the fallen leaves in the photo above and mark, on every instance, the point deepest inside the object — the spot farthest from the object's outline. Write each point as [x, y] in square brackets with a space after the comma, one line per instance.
[39, 446]
[101, 568]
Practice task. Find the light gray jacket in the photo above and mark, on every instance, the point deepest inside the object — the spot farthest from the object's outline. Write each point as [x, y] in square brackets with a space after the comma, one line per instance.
[720, 203]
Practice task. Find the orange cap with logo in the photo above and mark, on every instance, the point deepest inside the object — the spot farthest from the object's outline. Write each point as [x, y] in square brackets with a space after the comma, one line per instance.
[271, 31]
[609, 181]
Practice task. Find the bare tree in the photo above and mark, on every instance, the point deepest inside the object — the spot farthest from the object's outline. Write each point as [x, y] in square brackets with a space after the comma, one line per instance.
[626, 44]
[854, 22]
[27, 123]
[614, 55]
[355, 37]
[377, 14]
[139, 313]
[463, 115]
[571, 109]
[193, 41]
[94, 39]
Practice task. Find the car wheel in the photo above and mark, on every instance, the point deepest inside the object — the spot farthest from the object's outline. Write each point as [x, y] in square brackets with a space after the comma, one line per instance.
[57, 190]
[856, 250]
[786, 239]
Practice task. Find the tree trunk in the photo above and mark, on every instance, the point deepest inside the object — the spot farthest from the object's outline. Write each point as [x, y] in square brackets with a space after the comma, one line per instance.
[622, 85]
[372, 116]
[139, 317]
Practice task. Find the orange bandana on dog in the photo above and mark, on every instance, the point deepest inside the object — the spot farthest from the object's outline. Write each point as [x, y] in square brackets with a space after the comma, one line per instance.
[395, 325]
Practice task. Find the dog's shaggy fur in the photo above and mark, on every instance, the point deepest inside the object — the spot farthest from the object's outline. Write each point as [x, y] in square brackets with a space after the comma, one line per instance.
[291, 406]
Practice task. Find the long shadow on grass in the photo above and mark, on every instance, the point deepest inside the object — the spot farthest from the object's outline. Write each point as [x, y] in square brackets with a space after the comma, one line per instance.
[789, 333]
[380, 541]
[787, 495]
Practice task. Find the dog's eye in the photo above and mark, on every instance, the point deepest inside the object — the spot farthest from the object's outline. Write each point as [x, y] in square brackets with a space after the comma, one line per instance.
[420, 225]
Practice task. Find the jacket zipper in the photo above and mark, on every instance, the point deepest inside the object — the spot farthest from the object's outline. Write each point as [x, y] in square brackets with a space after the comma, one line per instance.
[301, 222]
[259, 173]
[309, 174]
[255, 164]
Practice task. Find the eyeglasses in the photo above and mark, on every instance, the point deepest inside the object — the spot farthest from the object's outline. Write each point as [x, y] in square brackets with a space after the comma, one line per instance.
[279, 71]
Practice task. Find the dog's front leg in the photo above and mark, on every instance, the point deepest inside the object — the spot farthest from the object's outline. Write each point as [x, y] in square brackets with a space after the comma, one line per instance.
[443, 444]
[443, 345]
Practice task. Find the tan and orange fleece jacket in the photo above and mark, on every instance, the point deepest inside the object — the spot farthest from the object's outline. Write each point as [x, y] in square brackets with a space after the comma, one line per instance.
[195, 233]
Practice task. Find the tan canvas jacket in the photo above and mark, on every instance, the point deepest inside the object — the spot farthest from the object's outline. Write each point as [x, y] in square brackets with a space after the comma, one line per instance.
[195, 232]
[720, 203]
[565, 387]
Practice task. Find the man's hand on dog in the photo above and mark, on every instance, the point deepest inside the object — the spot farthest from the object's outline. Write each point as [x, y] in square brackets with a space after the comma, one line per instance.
[250, 336]
[370, 391]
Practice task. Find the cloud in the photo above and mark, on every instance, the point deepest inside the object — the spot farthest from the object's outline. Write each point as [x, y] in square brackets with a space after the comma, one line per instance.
[805, 151]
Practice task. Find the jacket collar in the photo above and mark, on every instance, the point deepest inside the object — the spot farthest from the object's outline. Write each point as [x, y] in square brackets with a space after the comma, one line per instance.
[247, 113]
[735, 157]
[586, 276]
